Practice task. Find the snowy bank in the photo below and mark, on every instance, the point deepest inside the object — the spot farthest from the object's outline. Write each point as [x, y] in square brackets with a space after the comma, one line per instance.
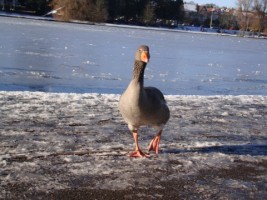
[60, 146]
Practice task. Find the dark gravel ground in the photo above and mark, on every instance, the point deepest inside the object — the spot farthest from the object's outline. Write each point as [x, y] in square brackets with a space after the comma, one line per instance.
[67, 146]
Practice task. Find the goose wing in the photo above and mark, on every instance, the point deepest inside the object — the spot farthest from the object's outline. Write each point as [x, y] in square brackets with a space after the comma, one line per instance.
[155, 107]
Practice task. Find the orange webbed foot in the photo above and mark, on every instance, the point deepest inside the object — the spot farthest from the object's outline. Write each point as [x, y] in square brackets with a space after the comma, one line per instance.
[139, 154]
[154, 144]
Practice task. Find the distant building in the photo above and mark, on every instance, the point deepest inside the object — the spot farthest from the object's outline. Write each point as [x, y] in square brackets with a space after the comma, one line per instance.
[208, 16]
[190, 13]
[190, 8]
[205, 13]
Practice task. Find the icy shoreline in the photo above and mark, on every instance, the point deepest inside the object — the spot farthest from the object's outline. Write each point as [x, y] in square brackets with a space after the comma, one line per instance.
[52, 143]
[149, 28]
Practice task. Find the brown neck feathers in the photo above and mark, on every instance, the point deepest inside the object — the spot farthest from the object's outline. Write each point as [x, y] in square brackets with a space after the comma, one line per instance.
[139, 70]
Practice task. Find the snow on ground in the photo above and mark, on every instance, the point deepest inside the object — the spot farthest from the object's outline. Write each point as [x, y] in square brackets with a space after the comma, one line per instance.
[57, 146]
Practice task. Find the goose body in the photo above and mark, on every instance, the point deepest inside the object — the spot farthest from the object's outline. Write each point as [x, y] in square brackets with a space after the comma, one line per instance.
[141, 105]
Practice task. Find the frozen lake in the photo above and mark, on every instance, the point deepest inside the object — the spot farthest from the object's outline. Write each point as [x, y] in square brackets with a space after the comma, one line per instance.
[64, 57]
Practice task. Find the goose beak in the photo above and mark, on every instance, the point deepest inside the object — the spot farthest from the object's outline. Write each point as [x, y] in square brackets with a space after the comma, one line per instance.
[145, 56]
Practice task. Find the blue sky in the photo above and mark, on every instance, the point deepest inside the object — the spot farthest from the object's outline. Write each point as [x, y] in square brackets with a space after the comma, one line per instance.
[227, 3]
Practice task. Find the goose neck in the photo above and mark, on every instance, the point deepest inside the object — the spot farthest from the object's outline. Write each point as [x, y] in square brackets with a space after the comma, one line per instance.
[139, 70]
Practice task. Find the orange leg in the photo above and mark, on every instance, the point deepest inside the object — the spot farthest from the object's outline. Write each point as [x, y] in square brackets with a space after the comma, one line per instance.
[154, 144]
[137, 153]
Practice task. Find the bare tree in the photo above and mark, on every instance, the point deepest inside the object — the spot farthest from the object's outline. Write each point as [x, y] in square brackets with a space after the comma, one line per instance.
[149, 14]
[228, 21]
[260, 7]
[244, 7]
[87, 10]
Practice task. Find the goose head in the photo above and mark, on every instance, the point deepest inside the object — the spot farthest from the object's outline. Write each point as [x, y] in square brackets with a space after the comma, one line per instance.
[142, 54]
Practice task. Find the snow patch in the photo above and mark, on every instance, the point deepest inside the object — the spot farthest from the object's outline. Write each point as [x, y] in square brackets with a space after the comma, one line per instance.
[53, 141]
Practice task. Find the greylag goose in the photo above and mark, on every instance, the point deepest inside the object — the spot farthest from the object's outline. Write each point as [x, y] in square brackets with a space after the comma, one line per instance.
[141, 105]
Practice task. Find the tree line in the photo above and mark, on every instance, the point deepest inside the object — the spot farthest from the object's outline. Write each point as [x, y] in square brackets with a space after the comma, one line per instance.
[121, 11]
[35, 7]
[250, 14]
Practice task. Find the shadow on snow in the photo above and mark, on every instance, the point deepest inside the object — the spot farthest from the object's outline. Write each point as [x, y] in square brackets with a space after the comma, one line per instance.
[247, 149]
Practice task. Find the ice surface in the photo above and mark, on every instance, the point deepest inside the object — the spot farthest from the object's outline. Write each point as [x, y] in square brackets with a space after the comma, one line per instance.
[64, 57]
[212, 147]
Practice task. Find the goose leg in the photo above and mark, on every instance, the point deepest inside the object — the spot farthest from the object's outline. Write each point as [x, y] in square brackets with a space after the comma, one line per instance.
[154, 144]
[137, 153]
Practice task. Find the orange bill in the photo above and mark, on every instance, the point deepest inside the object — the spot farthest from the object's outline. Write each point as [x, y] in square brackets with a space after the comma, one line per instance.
[145, 56]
